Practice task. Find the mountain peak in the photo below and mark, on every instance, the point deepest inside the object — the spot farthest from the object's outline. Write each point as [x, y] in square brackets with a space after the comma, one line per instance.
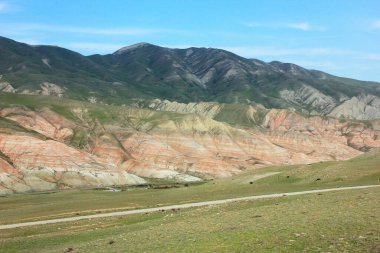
[132, 47]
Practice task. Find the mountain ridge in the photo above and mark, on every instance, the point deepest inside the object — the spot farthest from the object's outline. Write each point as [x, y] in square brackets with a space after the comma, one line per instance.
[147, 71]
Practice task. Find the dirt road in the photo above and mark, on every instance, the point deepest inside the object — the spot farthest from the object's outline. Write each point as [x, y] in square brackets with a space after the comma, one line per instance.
[181, 206]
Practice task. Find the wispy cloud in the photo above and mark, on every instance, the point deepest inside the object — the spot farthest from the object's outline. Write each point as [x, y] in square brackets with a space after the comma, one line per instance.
[20, 27]
[29, 41]
[370, 57]
[276, 52]
[4, 7]
[303, 26]
[317, 64]
[97, 47]
[376, 24]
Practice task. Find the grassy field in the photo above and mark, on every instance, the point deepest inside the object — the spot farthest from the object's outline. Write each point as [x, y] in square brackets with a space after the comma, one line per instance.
[330, 222]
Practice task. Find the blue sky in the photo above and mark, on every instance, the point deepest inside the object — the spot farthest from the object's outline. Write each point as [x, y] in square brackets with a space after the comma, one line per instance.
[341, 37]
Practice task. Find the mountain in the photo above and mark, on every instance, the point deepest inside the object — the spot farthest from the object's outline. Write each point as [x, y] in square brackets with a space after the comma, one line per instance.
[184, 115]
[145, 71]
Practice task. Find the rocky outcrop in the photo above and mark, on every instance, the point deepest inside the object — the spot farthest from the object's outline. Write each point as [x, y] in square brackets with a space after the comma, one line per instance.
[45, 122]
[363, 107]
[247, 114]
[207, 109]
[39, 165]
[7, 87]
[307, 96]
[354, 134]
[51, 89]
[46, 89]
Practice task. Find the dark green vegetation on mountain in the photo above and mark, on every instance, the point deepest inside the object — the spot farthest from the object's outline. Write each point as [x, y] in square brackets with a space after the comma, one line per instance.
[184, 75]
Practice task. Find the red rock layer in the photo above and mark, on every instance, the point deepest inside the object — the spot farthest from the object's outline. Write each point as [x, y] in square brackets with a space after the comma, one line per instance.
[355, 134]
[46, 122]
[47, 165]
[188, 150]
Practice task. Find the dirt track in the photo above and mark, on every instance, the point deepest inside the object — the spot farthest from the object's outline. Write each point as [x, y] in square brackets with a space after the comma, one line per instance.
[181, 206]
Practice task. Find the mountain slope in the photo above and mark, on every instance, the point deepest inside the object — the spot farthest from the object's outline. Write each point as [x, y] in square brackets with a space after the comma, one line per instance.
[183, 75]
[53, 143]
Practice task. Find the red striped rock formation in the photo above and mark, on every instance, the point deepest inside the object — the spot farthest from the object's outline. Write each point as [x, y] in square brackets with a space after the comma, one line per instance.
[355, 134]
[47, 164]
[186, 148]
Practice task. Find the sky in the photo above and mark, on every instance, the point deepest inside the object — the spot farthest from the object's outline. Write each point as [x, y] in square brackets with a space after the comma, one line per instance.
[341, 37]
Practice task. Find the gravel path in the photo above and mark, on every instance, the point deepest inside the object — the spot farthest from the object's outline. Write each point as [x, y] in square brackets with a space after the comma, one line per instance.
[181, 206]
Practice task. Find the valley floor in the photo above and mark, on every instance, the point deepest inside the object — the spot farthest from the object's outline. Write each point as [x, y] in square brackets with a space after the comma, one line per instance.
[179, 206]
[344, 221]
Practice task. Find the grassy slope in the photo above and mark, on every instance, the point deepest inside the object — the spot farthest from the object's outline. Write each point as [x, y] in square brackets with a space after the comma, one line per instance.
[331, 222]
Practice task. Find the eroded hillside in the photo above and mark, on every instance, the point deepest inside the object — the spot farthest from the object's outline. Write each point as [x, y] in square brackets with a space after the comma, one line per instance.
[48, 143]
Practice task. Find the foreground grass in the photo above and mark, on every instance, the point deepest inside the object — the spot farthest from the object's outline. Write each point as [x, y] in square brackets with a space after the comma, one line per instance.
[362, 170]
[345, 221]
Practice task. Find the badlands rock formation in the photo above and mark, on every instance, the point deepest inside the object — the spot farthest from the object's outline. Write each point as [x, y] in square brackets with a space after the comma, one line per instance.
[309, 96]
[363, 107]
[282, 123]
[40, 165]
[42, 150]
[6, 86]
[207, 109]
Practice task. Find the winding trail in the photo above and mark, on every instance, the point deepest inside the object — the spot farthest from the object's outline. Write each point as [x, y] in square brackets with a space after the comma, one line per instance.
[181, 206]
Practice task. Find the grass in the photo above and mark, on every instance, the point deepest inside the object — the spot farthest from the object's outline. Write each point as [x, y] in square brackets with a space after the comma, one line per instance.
[79, 139]
[331, 222]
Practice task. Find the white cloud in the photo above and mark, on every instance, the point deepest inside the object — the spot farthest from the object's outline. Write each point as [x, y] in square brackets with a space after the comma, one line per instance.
[20, 27]
[179, 46]
[253, 24]
[370, 57]
[303, 26]
[268, 51]
[376, 24]
[317, 64]
[29, 41]
[4, 7]
[97, 47]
